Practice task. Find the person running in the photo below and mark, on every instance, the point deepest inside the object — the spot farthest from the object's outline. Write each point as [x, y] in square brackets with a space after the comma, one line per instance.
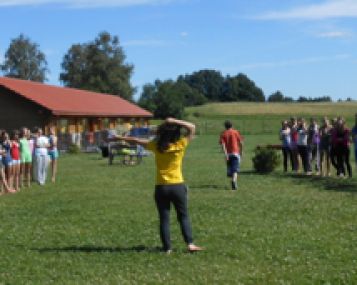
[293, 145]
[41, 153]
[302, 145]
[169, 148]
[16, 159]
[53, 153]
[341, 142]
[26, 157]
[285, 138]
[313, 142]
[232, 145]
[325, 145]
[354, 138]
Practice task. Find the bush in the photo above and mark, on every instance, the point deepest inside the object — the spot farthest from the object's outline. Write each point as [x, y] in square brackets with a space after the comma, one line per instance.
[74, 149]
[265, 160]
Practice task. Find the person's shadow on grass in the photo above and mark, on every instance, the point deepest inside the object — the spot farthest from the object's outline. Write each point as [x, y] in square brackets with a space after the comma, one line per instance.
[326, 183]
[98, 249]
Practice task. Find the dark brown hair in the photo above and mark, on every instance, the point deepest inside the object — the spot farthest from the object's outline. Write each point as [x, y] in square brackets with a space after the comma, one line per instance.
[166, 135]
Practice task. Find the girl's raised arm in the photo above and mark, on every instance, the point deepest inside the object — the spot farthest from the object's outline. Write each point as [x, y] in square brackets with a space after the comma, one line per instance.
[191, 128]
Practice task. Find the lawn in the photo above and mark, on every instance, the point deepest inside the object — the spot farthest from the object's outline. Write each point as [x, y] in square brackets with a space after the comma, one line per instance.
[98, 225]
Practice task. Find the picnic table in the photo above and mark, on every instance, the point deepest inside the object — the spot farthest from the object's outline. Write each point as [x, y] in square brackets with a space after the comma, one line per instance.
[127, 154]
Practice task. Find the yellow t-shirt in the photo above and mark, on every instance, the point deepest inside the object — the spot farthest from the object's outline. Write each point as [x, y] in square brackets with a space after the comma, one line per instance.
[169, 163]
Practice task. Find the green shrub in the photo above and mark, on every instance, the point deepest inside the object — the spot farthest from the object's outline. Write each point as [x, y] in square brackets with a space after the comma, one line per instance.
[74, 149]
[266, 160]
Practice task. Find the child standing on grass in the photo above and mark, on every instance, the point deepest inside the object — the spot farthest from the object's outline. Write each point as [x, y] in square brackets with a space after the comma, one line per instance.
[169, 148]
[302, 145]
[293, 145]
[341, 141]
[6, 158]
[26, 157]
[354, 138]
[16, 160]
[285, 138]
[325, 146]
[53, 153]
[41, 153]
[4, 186]
[313, 141]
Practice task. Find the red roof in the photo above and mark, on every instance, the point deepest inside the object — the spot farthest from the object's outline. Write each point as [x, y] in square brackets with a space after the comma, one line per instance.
[73, 102]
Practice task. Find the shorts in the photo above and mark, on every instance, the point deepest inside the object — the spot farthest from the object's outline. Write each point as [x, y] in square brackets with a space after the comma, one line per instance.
[16, 162]
[233, 165]
[6, 161]
[26, 158]
[53, 154]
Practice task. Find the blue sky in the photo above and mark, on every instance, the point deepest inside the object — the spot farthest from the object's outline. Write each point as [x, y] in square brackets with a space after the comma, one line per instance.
[301, 47]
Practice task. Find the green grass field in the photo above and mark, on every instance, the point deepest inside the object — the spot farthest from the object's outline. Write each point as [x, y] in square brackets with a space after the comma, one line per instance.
[98, 225]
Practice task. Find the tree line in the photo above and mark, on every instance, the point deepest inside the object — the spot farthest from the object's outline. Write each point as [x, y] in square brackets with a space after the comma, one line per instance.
[100, 65]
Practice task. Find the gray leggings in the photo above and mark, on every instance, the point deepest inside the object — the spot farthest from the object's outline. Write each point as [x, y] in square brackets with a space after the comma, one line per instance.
[177, 195]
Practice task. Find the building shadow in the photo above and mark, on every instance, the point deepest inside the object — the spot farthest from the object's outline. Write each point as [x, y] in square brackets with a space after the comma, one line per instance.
[99, 249]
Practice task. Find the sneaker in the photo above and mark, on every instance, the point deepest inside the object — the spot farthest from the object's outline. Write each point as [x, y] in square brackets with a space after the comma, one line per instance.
[234, 185]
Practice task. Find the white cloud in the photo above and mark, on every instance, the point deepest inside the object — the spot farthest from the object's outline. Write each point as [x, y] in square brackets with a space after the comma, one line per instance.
[334, 34]
[83, 3]
[184, 34]
[294, 62]
[325, 10]
[145, 43]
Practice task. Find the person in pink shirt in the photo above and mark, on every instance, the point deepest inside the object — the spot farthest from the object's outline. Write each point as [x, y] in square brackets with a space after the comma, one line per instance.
[16, 159]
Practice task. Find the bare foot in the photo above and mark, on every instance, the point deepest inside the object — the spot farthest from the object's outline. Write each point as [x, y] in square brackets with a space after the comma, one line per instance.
[194, 248]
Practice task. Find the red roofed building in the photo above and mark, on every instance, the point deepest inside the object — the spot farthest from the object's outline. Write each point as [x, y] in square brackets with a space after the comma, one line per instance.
[30, 104]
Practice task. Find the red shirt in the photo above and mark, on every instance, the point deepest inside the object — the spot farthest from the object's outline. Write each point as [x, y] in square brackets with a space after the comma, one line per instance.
[231, 139]
[15, 151]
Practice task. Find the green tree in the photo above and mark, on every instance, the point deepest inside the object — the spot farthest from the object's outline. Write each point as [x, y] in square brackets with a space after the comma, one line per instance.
[207, 82]
[148, 97]
[276, 97]
[24, 60]
[241, 88]
[168, 98]
[98, 66]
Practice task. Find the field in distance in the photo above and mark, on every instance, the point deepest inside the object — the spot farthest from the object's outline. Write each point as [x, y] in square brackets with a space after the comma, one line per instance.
[346, 109]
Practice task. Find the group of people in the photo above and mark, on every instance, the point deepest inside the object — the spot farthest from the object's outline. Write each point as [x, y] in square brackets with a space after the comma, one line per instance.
[314, 147]
[25, 157]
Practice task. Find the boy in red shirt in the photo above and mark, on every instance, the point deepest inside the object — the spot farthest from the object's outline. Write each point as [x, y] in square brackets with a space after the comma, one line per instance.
[232, 145]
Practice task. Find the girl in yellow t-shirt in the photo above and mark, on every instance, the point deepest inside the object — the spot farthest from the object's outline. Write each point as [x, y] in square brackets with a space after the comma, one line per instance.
[169, 148]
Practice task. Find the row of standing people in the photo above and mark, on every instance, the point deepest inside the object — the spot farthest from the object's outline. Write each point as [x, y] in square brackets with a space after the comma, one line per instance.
[25, 157]
[316, 147]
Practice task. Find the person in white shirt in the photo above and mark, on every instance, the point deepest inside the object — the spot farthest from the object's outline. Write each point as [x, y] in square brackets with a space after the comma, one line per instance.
[302, 145]
[41, 154]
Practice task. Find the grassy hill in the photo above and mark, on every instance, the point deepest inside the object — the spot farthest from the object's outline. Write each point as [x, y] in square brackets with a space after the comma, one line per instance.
[346, 109]
[264, 118]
